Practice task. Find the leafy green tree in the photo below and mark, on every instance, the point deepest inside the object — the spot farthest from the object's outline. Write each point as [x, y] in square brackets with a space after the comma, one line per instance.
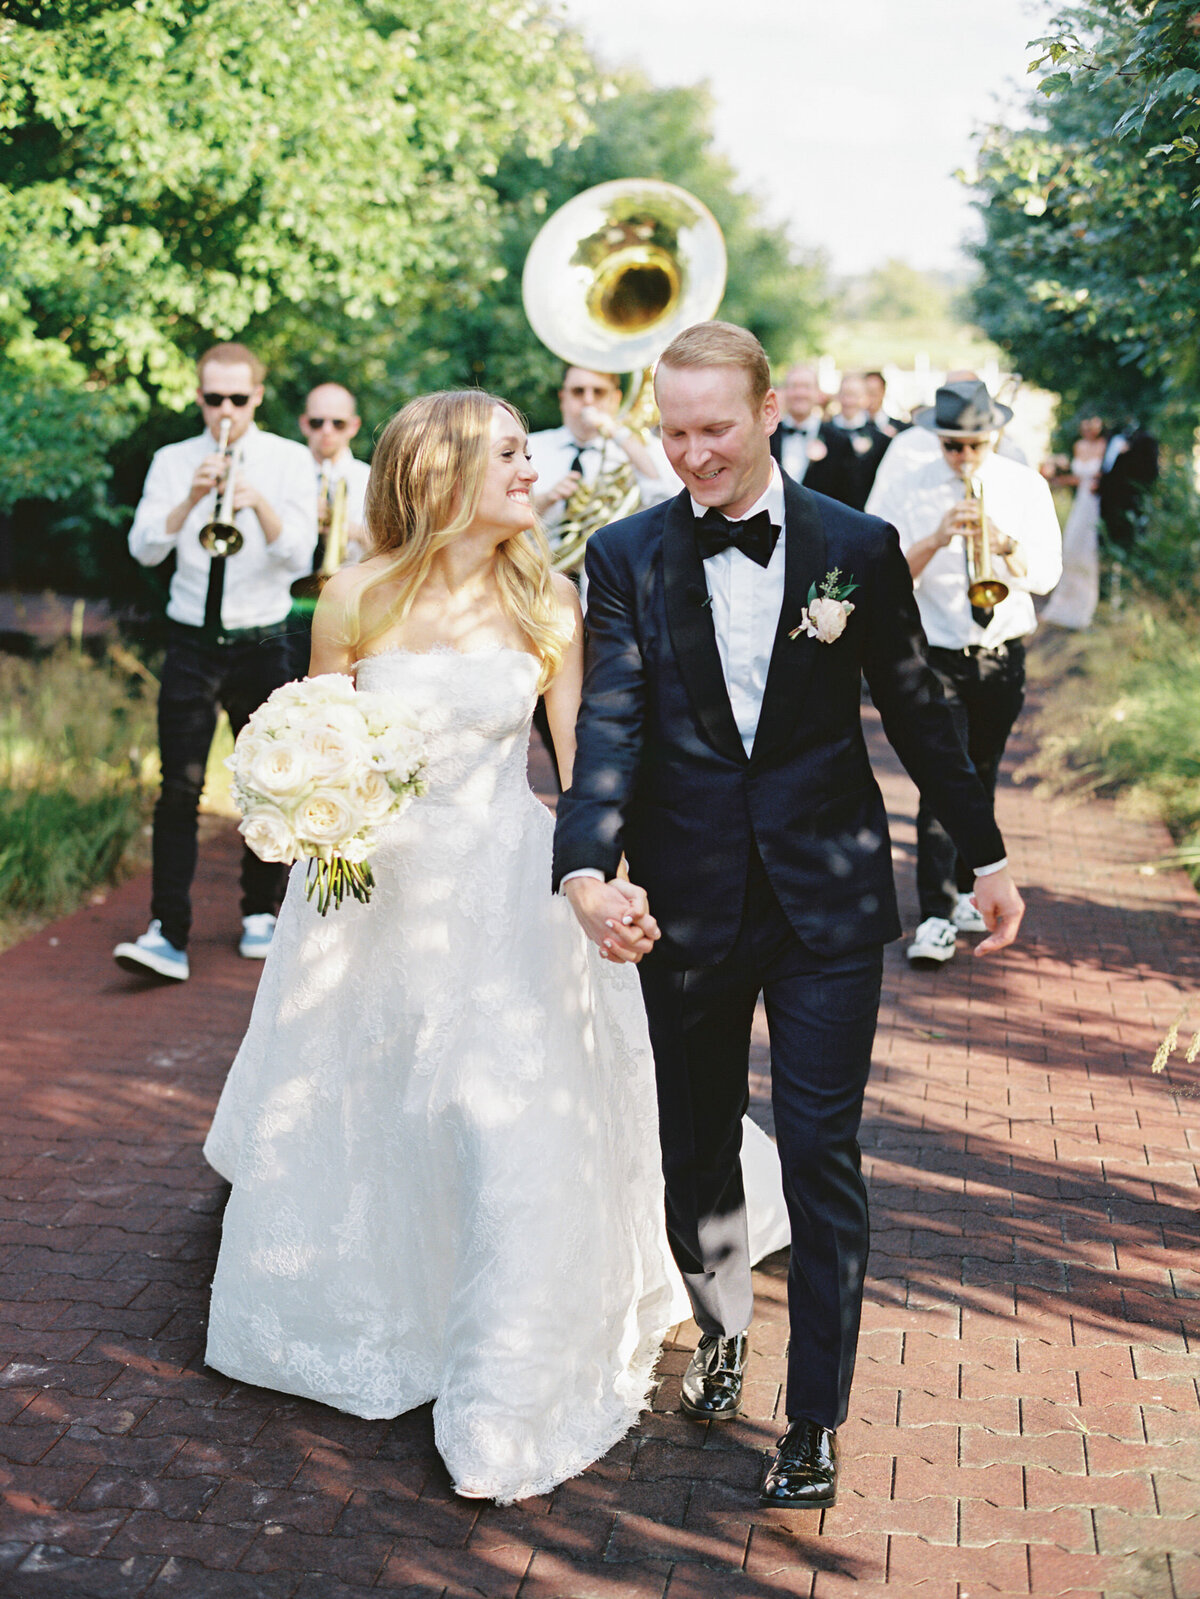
[178, 171]
[1092, 231]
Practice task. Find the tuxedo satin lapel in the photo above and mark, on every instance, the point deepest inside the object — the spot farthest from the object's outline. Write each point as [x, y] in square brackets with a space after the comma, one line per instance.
[792, 659]
[690, 623]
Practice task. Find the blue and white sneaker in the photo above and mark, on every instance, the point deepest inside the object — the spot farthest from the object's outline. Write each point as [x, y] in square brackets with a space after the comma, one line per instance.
[257, 933]
[153, 953]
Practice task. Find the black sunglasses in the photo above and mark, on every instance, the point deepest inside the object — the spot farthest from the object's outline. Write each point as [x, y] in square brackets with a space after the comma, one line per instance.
[318, 422]
[214, 400]
[957, 446]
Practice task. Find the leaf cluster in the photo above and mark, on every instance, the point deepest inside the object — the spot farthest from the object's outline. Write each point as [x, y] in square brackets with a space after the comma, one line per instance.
[1091, 226]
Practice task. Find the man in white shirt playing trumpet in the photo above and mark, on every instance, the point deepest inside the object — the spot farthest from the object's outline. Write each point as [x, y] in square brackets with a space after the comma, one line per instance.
[227, 639]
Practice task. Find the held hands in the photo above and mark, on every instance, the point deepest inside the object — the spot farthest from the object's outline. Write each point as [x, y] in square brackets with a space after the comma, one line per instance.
[615, 916]
[1001, 907]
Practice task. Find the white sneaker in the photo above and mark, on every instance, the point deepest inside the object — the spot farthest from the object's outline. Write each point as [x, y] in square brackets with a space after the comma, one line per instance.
[257, 933]
[934, 940]
[153, 953]
[966, 917]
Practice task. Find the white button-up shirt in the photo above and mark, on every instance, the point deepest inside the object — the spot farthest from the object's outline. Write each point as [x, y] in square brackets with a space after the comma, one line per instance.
[258, 578]
[746, 602]
[1018, 501]
[796, 439]
[552, 454]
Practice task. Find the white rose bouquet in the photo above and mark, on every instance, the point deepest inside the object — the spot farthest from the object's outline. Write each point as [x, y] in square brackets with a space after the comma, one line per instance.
[316, 770]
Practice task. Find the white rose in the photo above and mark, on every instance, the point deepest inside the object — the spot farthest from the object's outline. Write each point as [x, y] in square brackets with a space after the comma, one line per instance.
[335, 757]
[373, 796]
[398, 751]
[280, 768]
[826, 619]
[355, 850]
[329, 688]
[268, 833]
[326, 818]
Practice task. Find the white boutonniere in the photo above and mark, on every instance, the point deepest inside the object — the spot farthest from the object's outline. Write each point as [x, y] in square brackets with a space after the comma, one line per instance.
[828, 609]
[817, 450]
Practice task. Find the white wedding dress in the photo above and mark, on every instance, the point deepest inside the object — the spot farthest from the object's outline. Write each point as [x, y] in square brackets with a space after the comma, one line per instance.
[441, 1130]
[1074, 600]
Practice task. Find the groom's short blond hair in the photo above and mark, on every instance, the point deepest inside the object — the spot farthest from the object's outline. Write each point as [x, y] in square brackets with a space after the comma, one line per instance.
[722, 344]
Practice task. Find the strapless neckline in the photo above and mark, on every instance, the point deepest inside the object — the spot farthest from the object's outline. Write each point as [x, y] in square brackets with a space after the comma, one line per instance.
[444, 649]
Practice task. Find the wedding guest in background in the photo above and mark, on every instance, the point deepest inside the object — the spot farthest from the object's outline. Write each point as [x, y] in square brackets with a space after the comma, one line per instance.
[809, 449]
[866, 440]
[227, 644]
[876, 386]
[1129, 467]
[1073, 603]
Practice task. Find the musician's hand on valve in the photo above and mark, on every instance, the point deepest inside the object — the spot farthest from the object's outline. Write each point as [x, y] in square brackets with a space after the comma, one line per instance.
[210, 474]
[543, 499]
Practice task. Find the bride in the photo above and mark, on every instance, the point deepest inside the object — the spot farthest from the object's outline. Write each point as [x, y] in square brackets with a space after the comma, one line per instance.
[440, 1129]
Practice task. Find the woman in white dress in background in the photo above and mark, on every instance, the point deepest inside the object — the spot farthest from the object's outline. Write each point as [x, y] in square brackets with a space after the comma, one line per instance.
[1073, 602]
[440, 1129]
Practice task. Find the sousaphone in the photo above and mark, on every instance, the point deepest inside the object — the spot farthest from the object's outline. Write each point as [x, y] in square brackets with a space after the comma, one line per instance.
[609, 281]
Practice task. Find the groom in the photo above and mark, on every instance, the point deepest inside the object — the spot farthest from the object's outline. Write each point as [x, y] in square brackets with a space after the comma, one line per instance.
[720, 749]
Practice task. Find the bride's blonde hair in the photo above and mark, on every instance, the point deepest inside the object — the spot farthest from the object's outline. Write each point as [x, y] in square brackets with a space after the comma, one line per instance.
[427, 477]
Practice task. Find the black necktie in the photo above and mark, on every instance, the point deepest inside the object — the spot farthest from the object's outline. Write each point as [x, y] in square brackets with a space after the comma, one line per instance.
[754, 537]
[216, 592]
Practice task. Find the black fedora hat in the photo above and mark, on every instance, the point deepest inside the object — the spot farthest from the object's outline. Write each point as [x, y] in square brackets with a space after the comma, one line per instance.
[963, 410]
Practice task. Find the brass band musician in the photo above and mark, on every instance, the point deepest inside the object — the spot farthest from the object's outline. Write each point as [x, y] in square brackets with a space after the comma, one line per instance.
[236, 508]
[981, 537]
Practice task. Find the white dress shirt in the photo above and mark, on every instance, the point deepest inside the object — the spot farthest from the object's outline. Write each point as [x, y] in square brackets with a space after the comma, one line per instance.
[746, 602]
[1018, 501]
[552, 453]
[258, 578]
[795, 442]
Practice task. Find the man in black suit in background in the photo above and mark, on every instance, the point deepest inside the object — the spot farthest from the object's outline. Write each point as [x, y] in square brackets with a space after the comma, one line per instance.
[855, 424]
[1130, 466]
[720, 748]
[809, 449]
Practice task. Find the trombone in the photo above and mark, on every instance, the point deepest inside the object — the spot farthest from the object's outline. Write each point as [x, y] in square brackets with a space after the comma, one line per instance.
[984, 588]
[222, 536]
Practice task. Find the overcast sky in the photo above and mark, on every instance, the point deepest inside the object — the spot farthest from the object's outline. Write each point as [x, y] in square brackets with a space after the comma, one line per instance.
[847, 119]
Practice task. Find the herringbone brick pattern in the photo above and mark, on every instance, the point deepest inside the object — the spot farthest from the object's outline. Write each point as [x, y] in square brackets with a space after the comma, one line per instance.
[1025, 1416]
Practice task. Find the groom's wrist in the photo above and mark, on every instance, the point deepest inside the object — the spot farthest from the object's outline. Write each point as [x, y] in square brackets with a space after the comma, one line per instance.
[989, 871]
[594, 872]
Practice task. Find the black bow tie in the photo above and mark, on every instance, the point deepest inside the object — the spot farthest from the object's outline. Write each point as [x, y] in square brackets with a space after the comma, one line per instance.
[754, 537]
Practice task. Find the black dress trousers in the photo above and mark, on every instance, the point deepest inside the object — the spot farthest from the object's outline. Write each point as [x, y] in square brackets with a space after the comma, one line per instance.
[821, 1016]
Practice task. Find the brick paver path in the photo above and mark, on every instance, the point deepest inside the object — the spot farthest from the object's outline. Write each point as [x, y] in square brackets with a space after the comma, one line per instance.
[1024, 1418]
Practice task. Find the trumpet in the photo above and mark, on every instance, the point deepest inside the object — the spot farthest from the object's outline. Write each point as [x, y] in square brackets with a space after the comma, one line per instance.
[984, 588]
[332, 504]
[222, 536]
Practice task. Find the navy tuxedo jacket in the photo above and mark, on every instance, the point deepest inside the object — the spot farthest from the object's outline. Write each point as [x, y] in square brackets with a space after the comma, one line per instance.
[837, 474]
[660, 770]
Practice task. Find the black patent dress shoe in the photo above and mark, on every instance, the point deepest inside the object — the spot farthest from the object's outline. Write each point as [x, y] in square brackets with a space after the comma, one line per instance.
[803, 1475]
[712, 1384]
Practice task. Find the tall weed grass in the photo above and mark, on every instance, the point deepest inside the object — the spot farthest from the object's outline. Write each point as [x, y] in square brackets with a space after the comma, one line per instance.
[1124, 716]
[78, 766]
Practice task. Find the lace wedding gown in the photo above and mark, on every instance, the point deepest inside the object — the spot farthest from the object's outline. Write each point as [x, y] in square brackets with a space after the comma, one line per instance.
[441, 1131]
[1074, 601]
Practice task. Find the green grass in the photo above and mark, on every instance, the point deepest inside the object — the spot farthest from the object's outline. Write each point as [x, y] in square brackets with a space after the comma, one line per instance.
[1124, 718]
[78, 766]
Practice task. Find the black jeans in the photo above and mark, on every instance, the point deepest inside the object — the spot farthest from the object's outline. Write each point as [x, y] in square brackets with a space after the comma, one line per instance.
[199, 678]
[985, 691]
[821, 1013]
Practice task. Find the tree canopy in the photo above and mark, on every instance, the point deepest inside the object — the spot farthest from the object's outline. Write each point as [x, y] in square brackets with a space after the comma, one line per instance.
[179, 171]
[1091, 216]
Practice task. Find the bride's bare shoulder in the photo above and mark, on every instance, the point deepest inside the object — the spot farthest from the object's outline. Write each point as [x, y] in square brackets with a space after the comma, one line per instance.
[567, 597]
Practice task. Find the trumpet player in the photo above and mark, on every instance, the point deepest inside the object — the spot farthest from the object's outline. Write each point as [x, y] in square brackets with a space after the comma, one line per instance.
[227, 626]
[973, 526]
[329, 424]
